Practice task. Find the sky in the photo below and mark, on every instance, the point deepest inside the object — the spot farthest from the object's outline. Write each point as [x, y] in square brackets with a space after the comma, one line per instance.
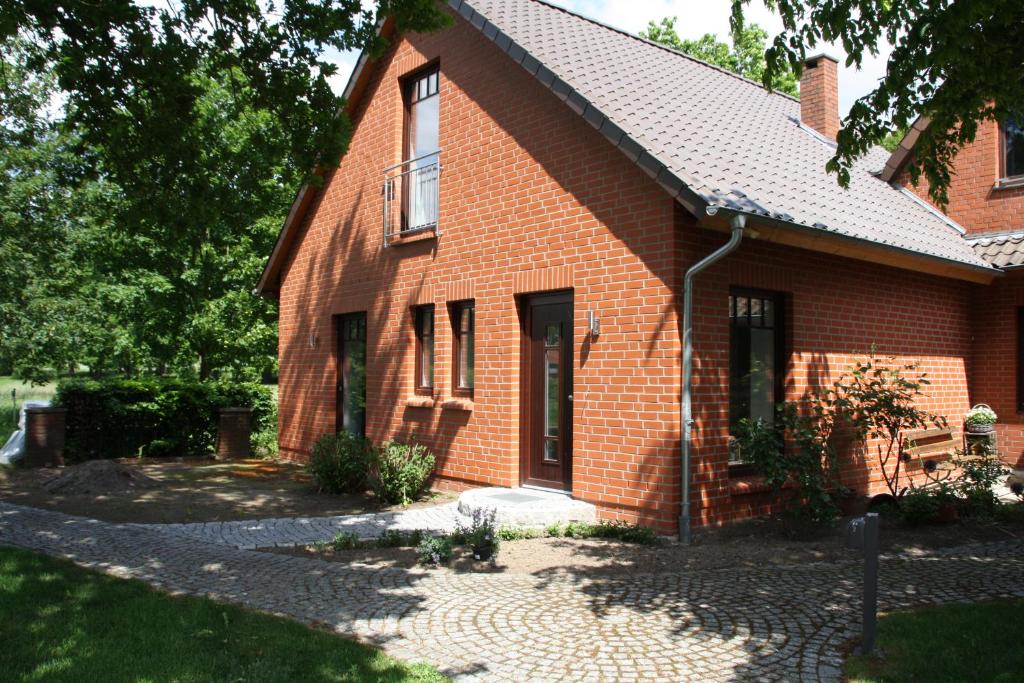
[695, 18]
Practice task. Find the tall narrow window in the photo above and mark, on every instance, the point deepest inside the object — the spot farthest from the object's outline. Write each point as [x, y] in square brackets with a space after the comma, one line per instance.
[755, 357]
[424, 349]
[422, 144]
[1013, 147]
[463, 314]
[351, 415]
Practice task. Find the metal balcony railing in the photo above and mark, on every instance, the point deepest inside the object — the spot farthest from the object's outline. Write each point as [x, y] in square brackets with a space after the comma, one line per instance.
[411, 196]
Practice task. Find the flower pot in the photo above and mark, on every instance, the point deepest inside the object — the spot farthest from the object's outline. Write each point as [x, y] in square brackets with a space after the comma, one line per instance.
[483, 551]
[980, 429]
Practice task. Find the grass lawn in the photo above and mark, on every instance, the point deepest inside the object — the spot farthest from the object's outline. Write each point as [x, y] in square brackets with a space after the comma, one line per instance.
[59, 622]
[978, 642]
[9, 405]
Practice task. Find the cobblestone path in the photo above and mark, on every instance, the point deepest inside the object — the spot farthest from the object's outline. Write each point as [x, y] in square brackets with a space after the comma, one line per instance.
[772, 623]
[286, 532]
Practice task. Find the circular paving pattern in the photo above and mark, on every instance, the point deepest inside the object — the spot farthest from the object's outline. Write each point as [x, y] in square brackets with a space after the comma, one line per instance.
[771, 623]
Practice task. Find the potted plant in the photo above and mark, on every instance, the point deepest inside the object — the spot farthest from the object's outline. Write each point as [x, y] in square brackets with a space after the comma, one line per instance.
[980, 419]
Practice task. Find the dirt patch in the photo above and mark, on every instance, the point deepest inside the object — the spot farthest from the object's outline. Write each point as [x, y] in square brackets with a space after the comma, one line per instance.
[196, 490]
[751, 544]
[99, 477]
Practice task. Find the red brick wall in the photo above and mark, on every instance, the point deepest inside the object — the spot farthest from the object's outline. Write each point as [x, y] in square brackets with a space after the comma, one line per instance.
[837, 311]
[533, 199]
[974, 202]
[994, 360]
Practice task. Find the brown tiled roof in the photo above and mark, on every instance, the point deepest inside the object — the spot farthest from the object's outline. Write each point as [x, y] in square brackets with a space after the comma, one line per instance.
[707, 135]
[1001, 251]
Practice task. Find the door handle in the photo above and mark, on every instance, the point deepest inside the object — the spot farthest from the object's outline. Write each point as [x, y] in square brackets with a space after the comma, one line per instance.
[569, 397]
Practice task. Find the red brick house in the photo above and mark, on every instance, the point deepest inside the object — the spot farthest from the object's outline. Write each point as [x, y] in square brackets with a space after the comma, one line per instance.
[497, 265]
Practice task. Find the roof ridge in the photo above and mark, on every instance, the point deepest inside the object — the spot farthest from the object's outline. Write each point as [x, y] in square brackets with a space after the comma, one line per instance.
[666, 48]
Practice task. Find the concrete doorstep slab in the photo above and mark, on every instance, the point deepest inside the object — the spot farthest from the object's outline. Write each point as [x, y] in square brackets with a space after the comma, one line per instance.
[526, 507]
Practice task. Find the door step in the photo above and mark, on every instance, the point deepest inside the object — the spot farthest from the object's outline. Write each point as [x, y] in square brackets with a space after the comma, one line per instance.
[526, 507]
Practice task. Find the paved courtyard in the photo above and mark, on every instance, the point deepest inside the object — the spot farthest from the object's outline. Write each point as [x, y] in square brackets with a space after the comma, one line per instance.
[773, 623]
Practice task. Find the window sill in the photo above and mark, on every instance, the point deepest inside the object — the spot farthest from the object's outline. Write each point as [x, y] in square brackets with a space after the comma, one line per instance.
[1009, 183]
[456, 403]
[419, 402]
[399, 239]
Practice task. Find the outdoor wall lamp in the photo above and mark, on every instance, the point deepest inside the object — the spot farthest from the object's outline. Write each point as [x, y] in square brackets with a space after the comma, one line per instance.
[593, 324]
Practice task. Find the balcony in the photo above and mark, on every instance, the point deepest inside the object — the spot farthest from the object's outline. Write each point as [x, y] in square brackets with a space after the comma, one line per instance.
[411, 197]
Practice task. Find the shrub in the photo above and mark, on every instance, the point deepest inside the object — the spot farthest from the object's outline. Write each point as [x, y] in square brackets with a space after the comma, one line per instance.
[393, 538]
[117, 418]
[975, 482]
[436, 550]
[399, 472]
[340, 463]
[346, 541]
[515, 533]
[623, 531]
[919, 506]
[480, 534]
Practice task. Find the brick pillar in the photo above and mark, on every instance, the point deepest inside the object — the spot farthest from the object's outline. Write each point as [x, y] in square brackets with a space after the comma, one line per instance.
[44, 436]
[233, 429]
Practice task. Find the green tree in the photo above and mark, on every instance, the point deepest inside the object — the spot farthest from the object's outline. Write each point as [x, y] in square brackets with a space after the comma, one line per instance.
[90, 277]
[957, 63]
[745, 56]
[128, 68]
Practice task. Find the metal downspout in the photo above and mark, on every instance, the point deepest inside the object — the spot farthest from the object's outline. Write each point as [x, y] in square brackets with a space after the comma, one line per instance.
[738, 222]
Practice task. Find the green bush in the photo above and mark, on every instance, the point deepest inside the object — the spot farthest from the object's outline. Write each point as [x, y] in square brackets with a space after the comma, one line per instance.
[435, 550]
[919, 506]
[340, 463]
[117, 418]
[400, 471]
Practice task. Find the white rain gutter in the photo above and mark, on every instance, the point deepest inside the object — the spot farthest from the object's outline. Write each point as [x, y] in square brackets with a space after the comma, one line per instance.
[738, 222]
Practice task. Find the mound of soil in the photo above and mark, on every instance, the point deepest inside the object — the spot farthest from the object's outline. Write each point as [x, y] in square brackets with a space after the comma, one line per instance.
[99, 477]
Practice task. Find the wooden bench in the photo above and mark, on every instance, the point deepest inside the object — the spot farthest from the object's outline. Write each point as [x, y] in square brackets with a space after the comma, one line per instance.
[936, 445]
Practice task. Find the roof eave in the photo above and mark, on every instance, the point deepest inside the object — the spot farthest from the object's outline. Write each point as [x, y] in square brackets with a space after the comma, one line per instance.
[816, 239]
[269, 281]
[902, 154]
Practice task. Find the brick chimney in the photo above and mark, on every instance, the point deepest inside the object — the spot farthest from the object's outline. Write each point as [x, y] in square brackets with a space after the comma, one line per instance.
[819, 95]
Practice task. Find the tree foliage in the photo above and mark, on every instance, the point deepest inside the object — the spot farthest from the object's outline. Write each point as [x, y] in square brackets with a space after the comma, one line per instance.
[89, 276]
[957, 63]
[128, 69]
[745, 56]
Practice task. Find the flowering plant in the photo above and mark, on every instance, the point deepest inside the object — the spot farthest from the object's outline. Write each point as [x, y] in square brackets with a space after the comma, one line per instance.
[980, 415]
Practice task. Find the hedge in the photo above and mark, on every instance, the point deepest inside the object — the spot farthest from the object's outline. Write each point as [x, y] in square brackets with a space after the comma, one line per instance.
[117, 418]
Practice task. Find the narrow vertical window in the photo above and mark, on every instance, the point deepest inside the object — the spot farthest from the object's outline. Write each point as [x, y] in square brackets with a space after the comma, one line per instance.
[424, 316]
[1013, 147]
[755, 357]
[463, 316]
[422, 144]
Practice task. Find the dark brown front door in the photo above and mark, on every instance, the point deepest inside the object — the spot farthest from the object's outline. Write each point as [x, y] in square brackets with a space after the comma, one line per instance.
[547, 392]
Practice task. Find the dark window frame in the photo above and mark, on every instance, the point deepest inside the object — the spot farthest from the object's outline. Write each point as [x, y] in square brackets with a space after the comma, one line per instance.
[1004, 156]
[422, 388]
[779, 301]
[455, 312]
